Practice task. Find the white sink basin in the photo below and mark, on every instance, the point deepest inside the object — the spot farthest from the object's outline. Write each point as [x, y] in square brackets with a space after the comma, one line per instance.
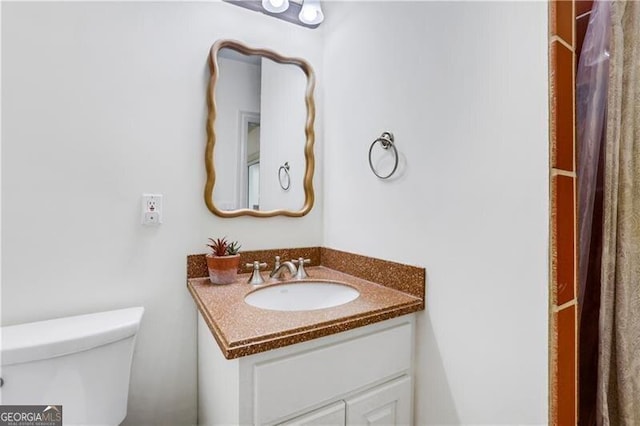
[302, 296]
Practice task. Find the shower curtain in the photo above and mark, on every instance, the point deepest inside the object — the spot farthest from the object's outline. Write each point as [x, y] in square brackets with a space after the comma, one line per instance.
[591, 101]
[619, 353]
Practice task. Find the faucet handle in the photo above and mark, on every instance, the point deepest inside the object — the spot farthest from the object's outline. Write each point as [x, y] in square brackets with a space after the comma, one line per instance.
[301, 274]
[256, 278]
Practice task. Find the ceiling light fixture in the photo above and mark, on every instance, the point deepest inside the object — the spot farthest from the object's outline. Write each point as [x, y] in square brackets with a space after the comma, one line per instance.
[306, 13]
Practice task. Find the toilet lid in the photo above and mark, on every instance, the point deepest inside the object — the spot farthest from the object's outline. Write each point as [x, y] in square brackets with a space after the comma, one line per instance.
[47, 339]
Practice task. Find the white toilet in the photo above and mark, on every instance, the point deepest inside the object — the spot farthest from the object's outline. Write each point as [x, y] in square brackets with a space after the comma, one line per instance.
[82, 363]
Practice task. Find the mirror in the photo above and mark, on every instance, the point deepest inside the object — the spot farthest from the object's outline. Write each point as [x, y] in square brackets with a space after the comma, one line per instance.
[260, 136]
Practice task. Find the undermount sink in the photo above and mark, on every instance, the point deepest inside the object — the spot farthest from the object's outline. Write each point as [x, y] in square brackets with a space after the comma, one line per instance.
[302, 296]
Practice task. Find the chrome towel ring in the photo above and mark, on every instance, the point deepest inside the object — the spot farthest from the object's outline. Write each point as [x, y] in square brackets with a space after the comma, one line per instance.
[386, 140]
[284, 177]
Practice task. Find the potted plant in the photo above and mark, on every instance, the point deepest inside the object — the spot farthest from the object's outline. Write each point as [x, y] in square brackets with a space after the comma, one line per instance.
[223, 261]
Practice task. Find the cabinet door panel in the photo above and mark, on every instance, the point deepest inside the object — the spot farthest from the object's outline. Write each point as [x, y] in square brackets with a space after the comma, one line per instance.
[387, 404]
[330, 415]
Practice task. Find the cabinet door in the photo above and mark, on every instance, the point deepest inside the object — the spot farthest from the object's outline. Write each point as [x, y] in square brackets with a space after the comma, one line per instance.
[330, 415]
[387, 404]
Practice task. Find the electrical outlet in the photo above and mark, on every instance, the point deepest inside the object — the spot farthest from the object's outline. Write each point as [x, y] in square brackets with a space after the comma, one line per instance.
[151, 209]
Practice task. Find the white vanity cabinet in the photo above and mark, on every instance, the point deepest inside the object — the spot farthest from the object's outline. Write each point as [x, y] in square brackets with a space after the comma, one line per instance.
[357, 377]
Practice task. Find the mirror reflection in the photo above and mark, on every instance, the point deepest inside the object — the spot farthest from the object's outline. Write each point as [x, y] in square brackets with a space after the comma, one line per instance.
[260, 118]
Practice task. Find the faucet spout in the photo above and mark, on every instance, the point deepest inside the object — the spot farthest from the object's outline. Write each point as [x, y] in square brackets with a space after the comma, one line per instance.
[278, 271]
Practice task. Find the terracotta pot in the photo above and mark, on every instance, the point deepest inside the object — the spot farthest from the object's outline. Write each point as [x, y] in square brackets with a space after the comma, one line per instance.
[223, 269]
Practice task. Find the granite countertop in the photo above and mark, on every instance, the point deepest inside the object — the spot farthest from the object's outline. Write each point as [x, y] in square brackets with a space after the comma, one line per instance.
[241, 329]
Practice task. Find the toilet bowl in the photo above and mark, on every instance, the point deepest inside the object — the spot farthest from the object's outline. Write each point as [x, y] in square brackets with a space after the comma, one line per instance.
[82, 363]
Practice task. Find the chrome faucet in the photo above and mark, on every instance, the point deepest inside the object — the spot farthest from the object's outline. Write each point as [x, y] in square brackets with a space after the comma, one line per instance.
[256, 278]
[280, 267]
[301, 274]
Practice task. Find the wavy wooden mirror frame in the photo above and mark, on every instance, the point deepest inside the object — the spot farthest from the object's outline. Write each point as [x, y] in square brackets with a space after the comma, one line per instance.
[211, 135]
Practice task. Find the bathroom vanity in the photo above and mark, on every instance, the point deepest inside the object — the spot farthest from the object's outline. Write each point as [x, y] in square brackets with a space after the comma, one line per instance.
[342, 365]
[362, 376]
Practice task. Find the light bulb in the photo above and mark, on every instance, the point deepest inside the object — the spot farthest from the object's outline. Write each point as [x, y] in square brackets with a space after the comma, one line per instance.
[311, 13]
[275, 6]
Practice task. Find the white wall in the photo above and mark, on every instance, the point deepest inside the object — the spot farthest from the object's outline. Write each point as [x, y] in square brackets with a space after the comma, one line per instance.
[102, 102]
[237, 90]
[463, 85]
[282, 125]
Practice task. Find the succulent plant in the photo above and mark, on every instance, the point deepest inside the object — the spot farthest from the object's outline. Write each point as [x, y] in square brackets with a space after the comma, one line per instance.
[233, 248]
[221, 247]
[218, 246]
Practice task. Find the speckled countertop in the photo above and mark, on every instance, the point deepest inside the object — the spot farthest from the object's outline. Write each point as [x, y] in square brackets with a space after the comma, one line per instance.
[241, 329]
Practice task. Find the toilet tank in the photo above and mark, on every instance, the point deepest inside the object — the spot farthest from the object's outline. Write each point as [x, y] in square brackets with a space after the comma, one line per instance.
[82, 363]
